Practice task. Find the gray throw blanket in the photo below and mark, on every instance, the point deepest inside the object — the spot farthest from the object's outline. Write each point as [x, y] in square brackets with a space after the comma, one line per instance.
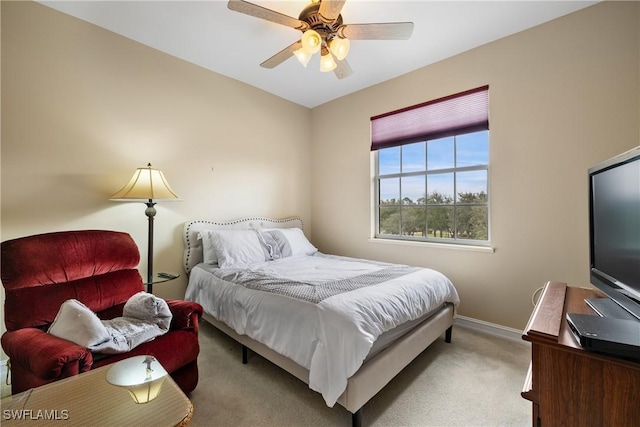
[313, 293]
[144, 317]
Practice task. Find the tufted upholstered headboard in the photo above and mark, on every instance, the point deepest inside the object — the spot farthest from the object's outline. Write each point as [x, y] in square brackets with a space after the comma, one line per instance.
[193, 246]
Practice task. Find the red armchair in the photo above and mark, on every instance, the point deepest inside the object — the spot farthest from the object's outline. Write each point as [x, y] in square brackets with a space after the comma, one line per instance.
[97, 268]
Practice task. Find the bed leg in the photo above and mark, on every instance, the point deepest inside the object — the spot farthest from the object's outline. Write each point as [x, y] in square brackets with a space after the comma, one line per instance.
[356, 418]
[245, 355]
[447, 335]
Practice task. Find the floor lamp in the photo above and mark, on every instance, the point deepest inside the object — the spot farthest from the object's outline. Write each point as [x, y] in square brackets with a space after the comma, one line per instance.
[147, 185]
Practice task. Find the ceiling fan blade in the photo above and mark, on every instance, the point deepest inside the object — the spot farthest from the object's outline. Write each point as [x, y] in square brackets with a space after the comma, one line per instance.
[281, 56]
[330, 10]
[343, 69]
[384, 31]
[266, 14]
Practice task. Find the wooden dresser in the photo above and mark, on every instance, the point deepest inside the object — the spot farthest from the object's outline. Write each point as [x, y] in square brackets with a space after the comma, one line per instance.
[567, 385]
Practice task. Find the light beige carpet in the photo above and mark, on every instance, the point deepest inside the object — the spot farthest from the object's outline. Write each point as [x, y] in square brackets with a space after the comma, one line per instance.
[473, 381]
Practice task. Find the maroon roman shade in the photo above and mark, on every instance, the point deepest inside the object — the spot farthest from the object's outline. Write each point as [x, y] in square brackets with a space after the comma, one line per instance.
[457, 114]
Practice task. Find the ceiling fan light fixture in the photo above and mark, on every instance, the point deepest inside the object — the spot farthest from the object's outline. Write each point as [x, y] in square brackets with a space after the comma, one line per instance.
[323, 29]
[303, 56]
[327, 62]
[339, 47]
[311, 41]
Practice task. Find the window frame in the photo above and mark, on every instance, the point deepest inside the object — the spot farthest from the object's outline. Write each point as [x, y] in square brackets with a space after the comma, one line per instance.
[400, 142]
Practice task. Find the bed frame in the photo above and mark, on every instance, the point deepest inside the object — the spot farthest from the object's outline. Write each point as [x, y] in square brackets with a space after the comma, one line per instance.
[374, 374]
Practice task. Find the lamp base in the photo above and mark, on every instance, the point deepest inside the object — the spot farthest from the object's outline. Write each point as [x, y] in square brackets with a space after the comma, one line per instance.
[142, 376]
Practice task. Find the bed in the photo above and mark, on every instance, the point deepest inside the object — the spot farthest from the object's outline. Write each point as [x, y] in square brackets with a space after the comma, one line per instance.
[344, 326]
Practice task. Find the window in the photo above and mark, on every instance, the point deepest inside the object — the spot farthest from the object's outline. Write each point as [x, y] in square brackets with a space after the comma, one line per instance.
[432, 170]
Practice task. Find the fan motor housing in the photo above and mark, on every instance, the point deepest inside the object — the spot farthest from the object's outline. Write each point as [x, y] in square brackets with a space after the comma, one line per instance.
[310, 14]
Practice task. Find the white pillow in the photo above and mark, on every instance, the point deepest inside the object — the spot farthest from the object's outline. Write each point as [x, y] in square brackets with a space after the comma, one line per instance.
[77, 323]
[237, 248]
[288, 242]
[209, 255]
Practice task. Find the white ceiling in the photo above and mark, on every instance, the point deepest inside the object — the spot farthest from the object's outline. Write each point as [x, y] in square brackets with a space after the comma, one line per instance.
[210, 35]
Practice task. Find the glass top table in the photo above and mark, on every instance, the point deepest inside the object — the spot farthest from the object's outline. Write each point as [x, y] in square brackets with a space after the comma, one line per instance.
[89, 400]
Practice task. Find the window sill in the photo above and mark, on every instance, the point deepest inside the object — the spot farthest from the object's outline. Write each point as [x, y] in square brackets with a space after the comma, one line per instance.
[469, 248]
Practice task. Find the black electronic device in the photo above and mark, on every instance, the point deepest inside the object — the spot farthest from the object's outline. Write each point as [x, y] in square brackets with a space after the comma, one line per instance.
[614, 229]
[616, 337]
[614, 251]
[606, 307]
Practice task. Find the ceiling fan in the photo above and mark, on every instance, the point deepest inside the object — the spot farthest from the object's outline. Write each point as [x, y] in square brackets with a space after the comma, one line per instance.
[323, 31]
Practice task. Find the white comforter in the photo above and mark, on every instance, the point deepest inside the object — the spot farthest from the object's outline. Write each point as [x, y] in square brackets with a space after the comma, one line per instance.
[331, 338]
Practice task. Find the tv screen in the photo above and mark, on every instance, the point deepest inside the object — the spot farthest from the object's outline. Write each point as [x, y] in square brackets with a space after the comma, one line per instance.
[614, 217]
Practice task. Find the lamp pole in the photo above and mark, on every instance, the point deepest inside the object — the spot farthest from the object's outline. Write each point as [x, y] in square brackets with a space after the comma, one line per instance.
[150, 212]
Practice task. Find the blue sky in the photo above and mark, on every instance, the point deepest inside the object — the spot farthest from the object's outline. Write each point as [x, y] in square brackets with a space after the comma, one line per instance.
[471, 149]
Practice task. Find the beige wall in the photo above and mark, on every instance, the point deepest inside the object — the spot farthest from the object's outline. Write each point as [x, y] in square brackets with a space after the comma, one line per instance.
[563, 96]
[82, 108]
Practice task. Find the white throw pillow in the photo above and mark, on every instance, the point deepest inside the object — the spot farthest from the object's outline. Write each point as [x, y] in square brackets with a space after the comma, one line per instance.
[77, 323]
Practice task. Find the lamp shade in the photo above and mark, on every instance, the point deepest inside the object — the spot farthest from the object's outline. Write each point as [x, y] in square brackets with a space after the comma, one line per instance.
[311, 41]
[142, 376]
[327, 62]
[339, 47]
[303, 56]
[146, 183]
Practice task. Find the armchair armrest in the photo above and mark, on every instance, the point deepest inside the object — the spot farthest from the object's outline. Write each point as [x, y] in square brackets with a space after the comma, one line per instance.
[46, 356]
[186, 314]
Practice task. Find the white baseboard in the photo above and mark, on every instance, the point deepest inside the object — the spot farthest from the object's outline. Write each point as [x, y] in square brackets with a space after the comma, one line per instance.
[490, 328]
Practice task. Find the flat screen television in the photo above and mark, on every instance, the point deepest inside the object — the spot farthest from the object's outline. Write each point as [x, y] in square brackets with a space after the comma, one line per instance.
[614, 221]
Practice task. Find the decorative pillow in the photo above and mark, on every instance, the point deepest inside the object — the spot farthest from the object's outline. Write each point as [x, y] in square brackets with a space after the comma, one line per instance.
[77, 323]
[285, 242]
[209, 254]
[236, 248]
